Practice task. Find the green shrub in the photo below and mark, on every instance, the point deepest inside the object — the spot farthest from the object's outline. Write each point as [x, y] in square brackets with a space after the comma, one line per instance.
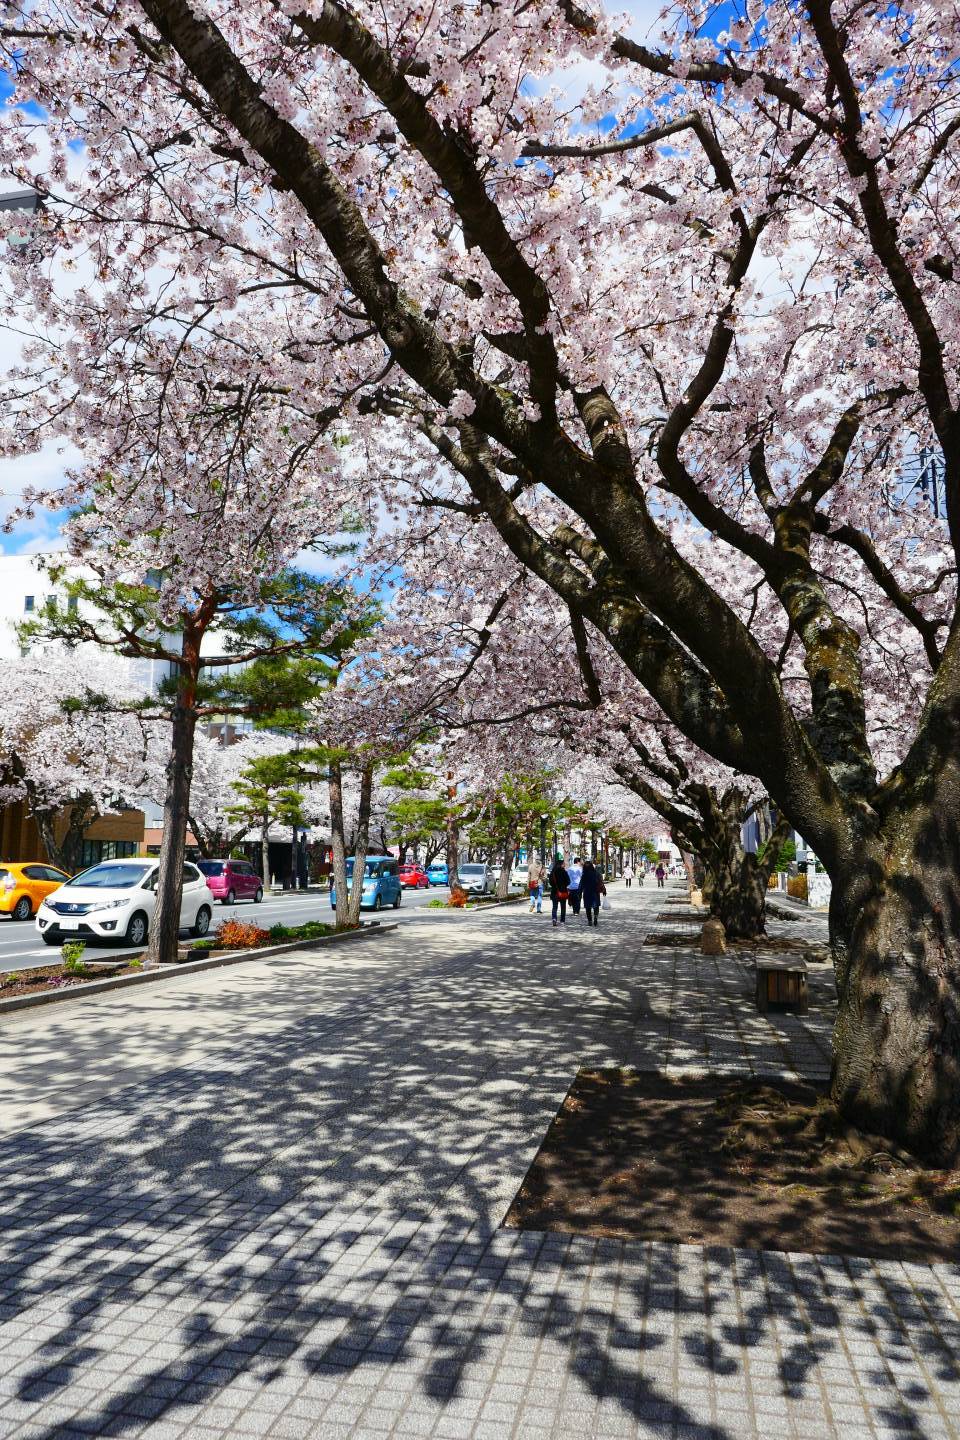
[135, 964]
[11, 977]
[71, 953]
[436, 905]
[310, 930]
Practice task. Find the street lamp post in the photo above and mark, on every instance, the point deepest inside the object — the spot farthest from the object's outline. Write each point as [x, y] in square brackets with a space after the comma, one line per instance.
[543, 839]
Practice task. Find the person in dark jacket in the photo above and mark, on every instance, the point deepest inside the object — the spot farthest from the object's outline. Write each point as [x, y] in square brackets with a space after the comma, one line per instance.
[559, 888]
[591, 888]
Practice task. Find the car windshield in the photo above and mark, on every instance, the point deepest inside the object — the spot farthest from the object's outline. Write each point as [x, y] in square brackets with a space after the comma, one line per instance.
[110, 877]
[212, 867]
[472, 869]
[371, 867]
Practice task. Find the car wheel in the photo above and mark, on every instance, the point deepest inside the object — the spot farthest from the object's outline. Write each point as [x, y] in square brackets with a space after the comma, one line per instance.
[23, 909]
[259, 895]
[50, 939]
[231, 897]
[136, 929]
[201, 926]
[377, 903]
[396, 903]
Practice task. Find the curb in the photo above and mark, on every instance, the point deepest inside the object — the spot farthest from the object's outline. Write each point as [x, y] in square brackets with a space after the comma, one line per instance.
[190, 967]
[461, 914]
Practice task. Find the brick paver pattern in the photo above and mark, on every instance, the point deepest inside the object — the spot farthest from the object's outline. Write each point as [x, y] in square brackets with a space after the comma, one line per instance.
[294, 1229]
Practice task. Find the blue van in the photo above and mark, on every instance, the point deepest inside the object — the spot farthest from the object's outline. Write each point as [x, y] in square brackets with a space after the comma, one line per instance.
[381, 883]
[437, 873]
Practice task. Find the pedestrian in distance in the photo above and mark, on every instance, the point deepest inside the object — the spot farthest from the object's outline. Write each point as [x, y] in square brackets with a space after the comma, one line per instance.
[575, 870]
[559, 888]
[628, 874]
[535, 884]
[591, 889]
[661, 876]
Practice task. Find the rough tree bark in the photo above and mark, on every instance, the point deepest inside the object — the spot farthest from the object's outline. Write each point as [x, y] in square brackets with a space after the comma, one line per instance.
[895, 931]
[338, 844]
[453, 835]
[506, 865]
[265, 850]
[165, 926]
[362, 842]
[67, 852]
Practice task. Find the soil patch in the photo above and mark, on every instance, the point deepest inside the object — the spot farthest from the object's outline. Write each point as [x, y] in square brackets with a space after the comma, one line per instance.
[758, 1164]
[44, 978]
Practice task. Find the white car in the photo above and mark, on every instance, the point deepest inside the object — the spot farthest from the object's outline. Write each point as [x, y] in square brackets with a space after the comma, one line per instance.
[115, 900]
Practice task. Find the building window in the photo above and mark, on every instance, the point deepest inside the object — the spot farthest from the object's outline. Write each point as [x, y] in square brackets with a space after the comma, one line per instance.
[28, 602]
[72, 604]
[96, 850]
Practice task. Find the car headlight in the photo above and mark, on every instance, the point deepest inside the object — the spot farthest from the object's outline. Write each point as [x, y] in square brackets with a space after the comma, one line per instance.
[110, 904]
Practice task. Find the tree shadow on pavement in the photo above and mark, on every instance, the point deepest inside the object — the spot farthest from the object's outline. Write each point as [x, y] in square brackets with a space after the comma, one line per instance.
[307, 1226]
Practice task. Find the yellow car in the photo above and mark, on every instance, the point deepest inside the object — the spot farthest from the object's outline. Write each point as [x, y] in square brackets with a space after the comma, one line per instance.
[22, 887]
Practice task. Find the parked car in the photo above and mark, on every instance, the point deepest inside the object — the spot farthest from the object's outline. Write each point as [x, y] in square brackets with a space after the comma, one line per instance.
[437, 873]
[414, 877]
[23, 887]
[115, 900]
[380, 885]
[475, 879]
[230, 880]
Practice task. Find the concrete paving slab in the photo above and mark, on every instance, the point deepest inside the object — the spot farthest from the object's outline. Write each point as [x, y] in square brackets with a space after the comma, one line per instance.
[231, 1206]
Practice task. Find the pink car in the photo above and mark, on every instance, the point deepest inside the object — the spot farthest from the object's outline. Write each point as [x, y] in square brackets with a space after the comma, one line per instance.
[230, 880]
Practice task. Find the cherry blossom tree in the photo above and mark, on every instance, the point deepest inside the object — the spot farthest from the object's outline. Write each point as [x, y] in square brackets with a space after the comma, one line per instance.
[218, 771]
[73, 746]
[717, 296]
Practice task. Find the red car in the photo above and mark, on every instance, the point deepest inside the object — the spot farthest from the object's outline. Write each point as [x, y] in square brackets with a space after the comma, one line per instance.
[230, 880]
[414, 877]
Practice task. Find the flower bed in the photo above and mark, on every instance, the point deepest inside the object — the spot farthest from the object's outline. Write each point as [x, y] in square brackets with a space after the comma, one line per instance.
[240, 935]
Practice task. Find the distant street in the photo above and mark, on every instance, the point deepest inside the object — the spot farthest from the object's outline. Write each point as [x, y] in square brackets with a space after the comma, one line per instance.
[21, 945]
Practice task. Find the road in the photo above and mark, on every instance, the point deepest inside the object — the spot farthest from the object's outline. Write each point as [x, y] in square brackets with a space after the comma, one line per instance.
[20, 945]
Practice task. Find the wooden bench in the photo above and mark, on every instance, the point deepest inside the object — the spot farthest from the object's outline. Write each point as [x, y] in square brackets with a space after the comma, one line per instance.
[782, 982]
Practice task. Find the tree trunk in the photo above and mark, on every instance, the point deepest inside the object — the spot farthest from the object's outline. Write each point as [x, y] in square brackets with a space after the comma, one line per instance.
[735, 881]
[338, 845]
[265, 849]
[165, 927]
[895, 928]
[453, 835]
[506, 865]
[360, 849]
[43, 819]
[66, 853]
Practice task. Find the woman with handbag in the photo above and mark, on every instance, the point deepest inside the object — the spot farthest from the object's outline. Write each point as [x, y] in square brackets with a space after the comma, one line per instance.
[559, 888]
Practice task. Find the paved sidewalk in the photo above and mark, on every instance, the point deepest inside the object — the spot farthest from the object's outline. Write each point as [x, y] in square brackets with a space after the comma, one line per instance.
[261, 1209]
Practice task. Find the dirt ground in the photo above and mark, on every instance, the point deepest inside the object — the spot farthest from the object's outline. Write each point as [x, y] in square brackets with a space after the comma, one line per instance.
[758, 1164]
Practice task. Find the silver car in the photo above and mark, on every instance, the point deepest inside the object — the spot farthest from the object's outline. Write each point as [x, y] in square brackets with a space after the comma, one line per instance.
[475, 879]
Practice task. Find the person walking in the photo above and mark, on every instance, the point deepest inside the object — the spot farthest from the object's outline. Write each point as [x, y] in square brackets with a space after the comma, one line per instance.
[559, 888]
[575, 870]
[661, 876]
[535, 884]
[628, 874]
[591, 888]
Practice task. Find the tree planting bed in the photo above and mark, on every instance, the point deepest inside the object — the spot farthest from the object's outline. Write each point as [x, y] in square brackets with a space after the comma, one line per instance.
[760, 1164]
[52, 979]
